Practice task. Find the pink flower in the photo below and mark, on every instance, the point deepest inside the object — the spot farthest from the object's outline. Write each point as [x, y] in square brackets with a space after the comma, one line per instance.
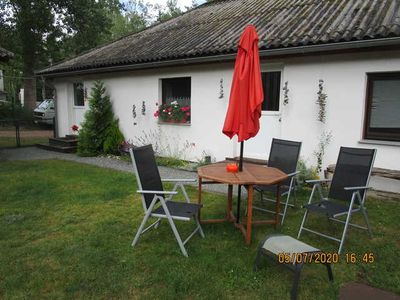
[188, 114]
[156, 114]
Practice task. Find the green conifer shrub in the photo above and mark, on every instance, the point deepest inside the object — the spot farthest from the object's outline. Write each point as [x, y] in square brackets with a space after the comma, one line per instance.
[114, 139]
[98, 121]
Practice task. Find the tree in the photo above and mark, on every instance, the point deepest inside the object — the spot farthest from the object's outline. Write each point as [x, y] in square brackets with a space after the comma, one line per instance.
[172, 11]
[50, 30]
[100, 131]
[133, 17]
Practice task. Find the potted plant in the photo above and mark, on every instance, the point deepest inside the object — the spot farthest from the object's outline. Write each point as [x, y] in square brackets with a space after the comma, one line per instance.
[173, 113]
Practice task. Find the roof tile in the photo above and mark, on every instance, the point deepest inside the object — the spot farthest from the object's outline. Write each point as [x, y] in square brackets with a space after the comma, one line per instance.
[215, 27]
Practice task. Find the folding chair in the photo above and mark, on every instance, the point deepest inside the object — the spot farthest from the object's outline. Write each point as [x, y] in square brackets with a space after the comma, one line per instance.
[151, 188]
[347, 191]
[284, 155]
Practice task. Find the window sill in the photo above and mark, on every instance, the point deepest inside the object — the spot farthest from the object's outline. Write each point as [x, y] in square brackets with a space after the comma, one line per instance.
[79, 107]
[270, 113]
[174, 123]
[378, 142]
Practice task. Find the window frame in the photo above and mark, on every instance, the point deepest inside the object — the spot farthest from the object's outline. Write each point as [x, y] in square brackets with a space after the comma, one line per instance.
[383, 134]
[160, 90]
[74, 94]
[275, 67]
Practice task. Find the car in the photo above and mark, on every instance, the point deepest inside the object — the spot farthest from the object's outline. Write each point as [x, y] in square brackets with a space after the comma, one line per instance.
[45, 112]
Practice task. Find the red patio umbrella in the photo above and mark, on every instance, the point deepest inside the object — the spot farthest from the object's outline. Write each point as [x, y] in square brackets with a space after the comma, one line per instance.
[244, 110]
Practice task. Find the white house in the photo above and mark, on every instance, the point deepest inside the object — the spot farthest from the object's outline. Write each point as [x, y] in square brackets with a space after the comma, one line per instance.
[348, 50]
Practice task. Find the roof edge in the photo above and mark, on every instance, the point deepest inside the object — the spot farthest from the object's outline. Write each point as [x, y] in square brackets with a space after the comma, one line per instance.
[309, 49]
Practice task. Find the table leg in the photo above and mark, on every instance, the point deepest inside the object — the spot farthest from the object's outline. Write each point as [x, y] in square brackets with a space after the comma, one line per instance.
[199, 196]
[277, 203]
[249, 213]
[229, 204]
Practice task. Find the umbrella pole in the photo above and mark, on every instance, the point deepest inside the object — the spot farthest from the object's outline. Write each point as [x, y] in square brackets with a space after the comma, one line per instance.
[241, 157]
[240, 187]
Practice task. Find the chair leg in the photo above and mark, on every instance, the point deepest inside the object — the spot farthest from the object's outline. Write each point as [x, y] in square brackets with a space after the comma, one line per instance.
[329, 269]
[302, 223]
[139, 232]
[364, 212]
[258, 258]
[158, 223]
[173, 227]
[287, 201]
[199, 226]
[346, 225]
[296, 281]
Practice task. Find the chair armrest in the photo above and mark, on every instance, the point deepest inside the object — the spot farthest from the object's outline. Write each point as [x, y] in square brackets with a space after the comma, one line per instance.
[293, 174]
[314, 181]
[354, 188]
[178, 180]
[156, 192]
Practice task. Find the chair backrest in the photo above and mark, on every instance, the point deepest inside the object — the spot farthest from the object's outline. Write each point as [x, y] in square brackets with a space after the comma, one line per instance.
[146, 171]
[353, 168]
[284, 155]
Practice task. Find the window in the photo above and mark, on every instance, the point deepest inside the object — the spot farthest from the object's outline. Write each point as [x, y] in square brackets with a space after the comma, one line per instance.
[271, 82]
[382, 121]
[175, 106]
[176, 89]
[79, 95]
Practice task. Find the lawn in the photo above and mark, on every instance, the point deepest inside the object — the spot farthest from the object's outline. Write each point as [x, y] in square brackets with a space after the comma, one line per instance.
[66, 229]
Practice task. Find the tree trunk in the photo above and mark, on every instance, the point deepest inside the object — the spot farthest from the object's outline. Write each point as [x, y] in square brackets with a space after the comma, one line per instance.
[30, 92]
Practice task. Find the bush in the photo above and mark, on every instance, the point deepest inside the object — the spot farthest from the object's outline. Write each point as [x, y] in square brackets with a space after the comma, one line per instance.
[114, 139]
[305, 173]
[8, 111]
[99, 123]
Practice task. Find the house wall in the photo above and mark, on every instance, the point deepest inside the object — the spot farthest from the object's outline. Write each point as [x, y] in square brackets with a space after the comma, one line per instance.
[344, 78]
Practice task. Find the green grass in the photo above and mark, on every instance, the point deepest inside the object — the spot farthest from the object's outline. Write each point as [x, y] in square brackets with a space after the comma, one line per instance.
[66, 229]
[10, 142]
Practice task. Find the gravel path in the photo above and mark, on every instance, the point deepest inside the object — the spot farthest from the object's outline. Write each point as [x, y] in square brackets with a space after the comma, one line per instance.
[33, 153]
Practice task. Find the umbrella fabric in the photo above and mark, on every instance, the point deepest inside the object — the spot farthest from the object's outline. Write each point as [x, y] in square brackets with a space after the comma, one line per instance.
[244, 110]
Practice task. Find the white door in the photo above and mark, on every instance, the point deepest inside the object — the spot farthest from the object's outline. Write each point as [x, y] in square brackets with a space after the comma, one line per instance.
[260, 145]
[78, 104]
[270, 121]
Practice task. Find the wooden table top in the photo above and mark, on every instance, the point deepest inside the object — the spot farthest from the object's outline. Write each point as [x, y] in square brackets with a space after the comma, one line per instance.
[251, 174]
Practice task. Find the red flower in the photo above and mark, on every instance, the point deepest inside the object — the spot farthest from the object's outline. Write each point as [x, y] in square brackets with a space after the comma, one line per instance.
[156, 114]
[75, 127]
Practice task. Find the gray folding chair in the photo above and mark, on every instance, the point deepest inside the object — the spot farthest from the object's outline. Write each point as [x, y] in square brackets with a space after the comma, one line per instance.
[284, 155]
[347, 191]
[151, 188]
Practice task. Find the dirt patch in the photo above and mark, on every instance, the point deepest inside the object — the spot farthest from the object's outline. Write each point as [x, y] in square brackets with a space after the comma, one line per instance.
[27, 133]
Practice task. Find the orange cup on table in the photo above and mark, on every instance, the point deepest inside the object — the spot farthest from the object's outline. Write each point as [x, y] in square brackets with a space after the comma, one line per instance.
[232, 168]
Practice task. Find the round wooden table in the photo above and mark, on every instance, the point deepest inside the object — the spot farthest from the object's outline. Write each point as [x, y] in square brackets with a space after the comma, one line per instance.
[251, 175]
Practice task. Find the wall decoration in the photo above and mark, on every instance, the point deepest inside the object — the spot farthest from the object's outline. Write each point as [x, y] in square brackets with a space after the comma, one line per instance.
[221, 88]
[134, 114]
[285, 94]
[143, 108]
[321, 101]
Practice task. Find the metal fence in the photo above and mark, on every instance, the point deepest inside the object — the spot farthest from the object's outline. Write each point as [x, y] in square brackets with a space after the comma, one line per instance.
[19, 133]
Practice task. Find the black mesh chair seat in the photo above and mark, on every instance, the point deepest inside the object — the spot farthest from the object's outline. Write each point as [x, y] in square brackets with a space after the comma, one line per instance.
[179, 209]
[271, 188]
[327, 207]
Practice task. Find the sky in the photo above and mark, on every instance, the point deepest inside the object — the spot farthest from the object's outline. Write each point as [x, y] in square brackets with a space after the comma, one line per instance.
[181, 3]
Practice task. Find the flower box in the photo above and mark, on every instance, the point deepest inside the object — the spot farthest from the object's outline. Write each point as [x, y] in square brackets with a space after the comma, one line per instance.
[173, 113]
